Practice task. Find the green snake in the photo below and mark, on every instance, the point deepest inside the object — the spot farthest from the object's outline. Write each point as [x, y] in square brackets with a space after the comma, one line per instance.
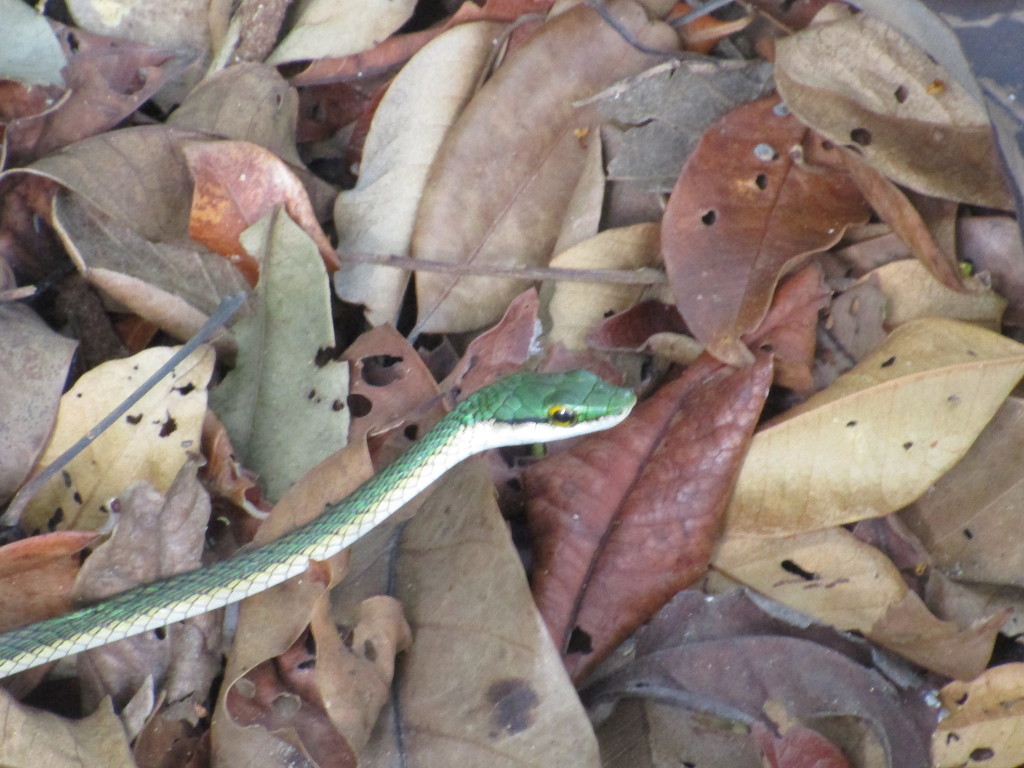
[520, 409]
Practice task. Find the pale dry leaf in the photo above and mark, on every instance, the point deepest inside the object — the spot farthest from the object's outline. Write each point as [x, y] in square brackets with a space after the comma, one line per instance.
[332, 28]
[985, 724]
[575, 308]
[912, 292]
[31, 738]
[583, 214]
[283, 406]
[151, 442]
[408, 126]
[859, 81]
[880, 435]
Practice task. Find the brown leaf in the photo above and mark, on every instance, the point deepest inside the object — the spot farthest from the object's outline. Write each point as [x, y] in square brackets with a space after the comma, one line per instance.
[107, 80]
[522, 139]
[984, 721]
[624, 520]
[743, 213]
[236, 184]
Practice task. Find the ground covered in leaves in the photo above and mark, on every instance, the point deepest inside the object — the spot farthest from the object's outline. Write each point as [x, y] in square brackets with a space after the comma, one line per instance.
[791, 227]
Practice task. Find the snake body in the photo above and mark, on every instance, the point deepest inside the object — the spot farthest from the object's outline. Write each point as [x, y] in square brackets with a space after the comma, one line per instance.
[520, 409]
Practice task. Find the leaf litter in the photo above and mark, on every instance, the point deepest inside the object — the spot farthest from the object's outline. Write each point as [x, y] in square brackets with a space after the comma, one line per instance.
[799, 550]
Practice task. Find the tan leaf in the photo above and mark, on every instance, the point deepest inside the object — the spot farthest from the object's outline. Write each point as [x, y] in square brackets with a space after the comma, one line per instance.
[508, 167]
[151, 442]
[408, 126]
[985, 724]
[857, 80]
[329, 28]
[880, 435]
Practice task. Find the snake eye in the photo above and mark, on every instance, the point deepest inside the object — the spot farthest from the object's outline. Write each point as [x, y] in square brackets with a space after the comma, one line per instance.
[560, 416]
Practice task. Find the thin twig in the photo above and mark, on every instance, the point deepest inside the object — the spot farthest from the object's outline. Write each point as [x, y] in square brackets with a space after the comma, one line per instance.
[642, 276]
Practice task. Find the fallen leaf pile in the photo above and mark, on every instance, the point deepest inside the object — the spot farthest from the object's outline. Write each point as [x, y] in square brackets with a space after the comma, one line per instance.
[791, 228]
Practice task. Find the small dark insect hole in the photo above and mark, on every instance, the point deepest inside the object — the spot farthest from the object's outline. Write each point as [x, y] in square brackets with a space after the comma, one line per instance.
[888, 363]
[55, 519]
[411, 432]
[337, 405]
[185, 389]
[708, 218]
[980, 754]
[579, 642]
[861, 136]
[790, 567]
[380, 370]
[851, 423]
[326, 355]
[133, 419]
[359, 405]
[766, 348]
[161, 633]
[968, 533]
[761, 181]
[901, 94]
[169, 427]
[311, 394]
[77, 497]
[307, 664]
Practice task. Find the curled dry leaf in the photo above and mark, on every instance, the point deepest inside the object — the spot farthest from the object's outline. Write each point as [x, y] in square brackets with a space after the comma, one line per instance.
[625, 519]
[912, 292]
[236, 184]
[150, 443]
[853, 586]
[743, 212]
[408, 126]
[859, 81]
[880, 435]
[523, 141]
[985, 724]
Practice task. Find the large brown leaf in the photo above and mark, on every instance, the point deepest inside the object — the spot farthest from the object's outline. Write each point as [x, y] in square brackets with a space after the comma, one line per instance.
[508, 167]
[745, 209]
[624, 520]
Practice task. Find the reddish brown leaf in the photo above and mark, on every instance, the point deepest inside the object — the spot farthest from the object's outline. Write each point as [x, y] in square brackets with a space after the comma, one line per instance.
[107, 79]
[799, 747]
[743, 211]
[624, 520]
[895, 209]
[236, 184]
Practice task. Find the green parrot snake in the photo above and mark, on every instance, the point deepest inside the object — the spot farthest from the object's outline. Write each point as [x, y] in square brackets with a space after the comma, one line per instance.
[521, 409]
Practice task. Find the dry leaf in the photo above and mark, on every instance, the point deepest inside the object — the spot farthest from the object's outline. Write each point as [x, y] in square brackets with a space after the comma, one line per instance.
[151, 442]
[985, 724]
[880, 435]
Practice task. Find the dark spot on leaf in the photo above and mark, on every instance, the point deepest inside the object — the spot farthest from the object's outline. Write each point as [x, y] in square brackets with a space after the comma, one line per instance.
[133, 419]
[861, 136]
[908, 445]
[952, 737]
[55, 519]
[579, 642]
[185, 389]
[369, 650]
[761, 181]
[708, 218]
[953, 399]
[359, 405]
[411, 432]
[827, 145]
[380, 370]
[980, 754]
[326, 355]
[66, 476]
[889, 362]
[169, 427]
[901, 94]
[337, 405]
[790, 567]
[767, 348]
[968, 534]
[311, 394]
[971, 353]
[161, 633]
[78, 394]
[963, 700]
[77, 497]
[851, 423]
[307, 664]
[514, 703]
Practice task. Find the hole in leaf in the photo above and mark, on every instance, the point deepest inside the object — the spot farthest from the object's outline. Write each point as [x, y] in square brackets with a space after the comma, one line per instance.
[908, 445]
[861, 136]
[579, 642]
[901, 94]
[851, 423]
[888, 363]
[359, 405]
[968, 533]
[412, 432]
[761, 181]
[708, 218]
[380, 370]
[790, 567]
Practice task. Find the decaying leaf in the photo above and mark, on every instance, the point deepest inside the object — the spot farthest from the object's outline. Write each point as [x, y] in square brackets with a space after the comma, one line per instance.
[284, 403]
[880, 435]
[625, 519]
[859, 81]
[151, 442]
[742, 214]
[523, 140]
[985, 725]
